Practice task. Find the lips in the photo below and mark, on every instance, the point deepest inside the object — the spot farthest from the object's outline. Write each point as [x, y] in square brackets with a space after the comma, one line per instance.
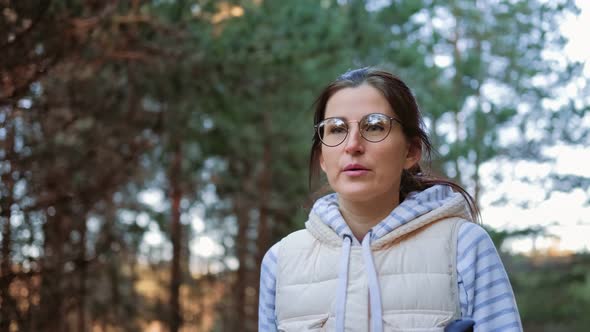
[355, 167]
[355, 170]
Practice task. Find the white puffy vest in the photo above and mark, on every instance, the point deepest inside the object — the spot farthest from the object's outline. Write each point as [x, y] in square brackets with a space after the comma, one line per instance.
[415, 264]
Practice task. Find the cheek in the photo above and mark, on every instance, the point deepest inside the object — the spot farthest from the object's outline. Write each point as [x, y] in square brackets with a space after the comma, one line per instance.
[328, 160]
[393, 161]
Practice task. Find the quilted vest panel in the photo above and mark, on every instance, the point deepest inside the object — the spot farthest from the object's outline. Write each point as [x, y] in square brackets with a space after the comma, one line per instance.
[417, 278]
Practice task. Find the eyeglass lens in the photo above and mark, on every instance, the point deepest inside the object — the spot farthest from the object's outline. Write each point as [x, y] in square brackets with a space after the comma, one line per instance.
[373, 127]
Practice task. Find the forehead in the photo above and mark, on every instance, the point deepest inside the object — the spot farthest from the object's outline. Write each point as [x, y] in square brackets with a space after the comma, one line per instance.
[354, 103]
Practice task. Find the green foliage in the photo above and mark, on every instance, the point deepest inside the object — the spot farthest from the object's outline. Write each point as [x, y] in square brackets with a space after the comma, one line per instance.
[552, 292]
[563, 282]
[98, 99]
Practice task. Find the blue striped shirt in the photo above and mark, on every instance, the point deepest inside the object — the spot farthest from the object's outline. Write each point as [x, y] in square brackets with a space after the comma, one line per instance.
[485, 293]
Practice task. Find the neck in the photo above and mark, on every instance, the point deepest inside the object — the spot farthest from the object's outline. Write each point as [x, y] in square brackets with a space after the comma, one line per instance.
[362, 216]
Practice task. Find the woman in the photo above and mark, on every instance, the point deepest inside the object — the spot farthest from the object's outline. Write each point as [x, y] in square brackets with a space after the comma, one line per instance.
[391, 249]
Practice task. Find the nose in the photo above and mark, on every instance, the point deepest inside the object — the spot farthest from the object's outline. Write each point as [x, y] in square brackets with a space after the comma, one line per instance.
[354, 141]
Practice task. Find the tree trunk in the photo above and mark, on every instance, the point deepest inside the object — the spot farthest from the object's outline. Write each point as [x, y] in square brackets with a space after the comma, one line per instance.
[176, 238]
[437, 164]
[263, 222]
[263, 233]
[113, 312]
[480, 132]
[6, 265]
[239, 310]
[83, 274]
[29, 317]
[115, 304]
[52, 297]
[457, 58]
[6, 201]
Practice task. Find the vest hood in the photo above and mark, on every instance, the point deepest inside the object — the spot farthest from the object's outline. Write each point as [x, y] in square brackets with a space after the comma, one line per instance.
[417, 210]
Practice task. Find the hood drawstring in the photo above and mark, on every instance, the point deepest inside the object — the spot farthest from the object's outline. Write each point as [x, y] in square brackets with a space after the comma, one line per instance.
[342, 282]
[374, 290]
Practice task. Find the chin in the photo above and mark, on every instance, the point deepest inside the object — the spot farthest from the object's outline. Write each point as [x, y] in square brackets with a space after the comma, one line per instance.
[355, 194]
[365, 192]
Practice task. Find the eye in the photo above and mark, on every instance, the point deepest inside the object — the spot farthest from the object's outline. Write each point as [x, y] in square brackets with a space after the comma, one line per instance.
[337, 130]
[375, 123]
[374, 127]
[335, 126]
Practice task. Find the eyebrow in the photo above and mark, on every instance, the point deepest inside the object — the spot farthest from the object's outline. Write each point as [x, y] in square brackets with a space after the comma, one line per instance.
[346, 118]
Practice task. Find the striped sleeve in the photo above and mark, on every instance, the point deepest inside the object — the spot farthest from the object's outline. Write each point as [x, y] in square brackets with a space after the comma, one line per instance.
[266, 301]
[485, 292]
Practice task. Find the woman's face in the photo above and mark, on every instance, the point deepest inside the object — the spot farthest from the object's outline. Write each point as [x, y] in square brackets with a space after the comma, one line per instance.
[359, 170]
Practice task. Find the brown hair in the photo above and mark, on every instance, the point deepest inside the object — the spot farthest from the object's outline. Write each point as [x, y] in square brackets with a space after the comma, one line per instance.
[402, 101]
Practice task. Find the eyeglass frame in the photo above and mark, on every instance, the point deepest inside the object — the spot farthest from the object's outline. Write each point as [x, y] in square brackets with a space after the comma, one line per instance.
[391, 119]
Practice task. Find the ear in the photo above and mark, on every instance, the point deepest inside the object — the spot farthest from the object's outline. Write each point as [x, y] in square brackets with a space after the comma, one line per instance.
[414, 154]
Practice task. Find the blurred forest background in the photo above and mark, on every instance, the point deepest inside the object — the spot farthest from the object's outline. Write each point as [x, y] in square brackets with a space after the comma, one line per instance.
[152, 151]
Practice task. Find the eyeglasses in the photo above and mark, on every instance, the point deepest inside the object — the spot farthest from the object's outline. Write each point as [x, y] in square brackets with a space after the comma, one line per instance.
[373, 127]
